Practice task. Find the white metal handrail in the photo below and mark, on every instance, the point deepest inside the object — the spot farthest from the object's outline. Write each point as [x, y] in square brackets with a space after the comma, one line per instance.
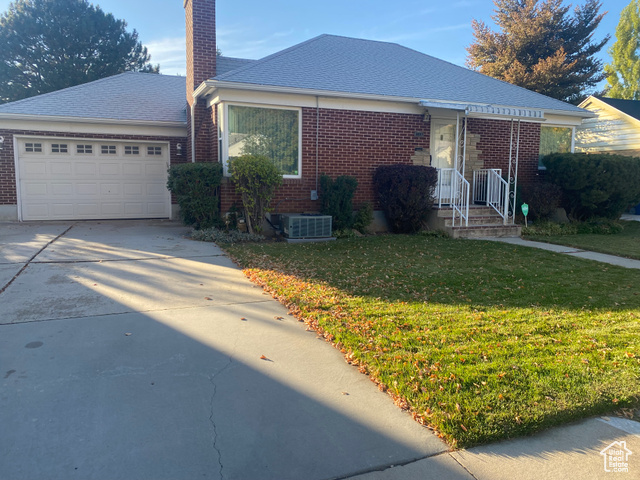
[498, 193]
[444, 192]
[460, 200]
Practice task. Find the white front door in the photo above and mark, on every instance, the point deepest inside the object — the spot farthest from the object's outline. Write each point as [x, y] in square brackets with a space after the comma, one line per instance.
[443, 150]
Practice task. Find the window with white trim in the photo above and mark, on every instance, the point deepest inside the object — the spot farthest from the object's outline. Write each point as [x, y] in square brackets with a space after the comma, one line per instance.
[131, 150]
[108, 149]
[33, 147]
[554, 140]
[154, 150]
[82, 148]
[59, 148]
[260, 130]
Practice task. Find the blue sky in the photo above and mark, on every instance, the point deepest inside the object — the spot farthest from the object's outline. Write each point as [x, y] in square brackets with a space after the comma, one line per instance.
[255, 28]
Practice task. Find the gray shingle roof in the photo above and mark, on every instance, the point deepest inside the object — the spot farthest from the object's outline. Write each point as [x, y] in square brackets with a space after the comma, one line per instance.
[349, 65]
[128, 96]
[227, 64]
[630, 107]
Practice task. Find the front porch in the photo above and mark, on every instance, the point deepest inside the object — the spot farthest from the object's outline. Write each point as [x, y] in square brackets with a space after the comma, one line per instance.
[480, 200]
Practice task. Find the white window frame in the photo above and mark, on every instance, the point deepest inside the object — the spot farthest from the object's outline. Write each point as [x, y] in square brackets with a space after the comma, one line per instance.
[223, 131]
[573, 140]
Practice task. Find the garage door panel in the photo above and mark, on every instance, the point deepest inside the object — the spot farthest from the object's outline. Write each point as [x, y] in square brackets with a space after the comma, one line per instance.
[74, 185]
[35, 189]
[87, 188]
[110, 189]
[109, 169]
[134, 208]
[60, 168]
[132, 169]
[62, 188]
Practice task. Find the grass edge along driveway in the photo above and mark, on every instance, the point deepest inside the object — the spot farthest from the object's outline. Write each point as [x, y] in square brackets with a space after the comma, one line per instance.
[481, 341]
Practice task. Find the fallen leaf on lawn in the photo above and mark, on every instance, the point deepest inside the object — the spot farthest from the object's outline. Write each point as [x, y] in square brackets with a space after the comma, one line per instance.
[278, 318]
[262, 357]
[463, 427]
[345, 393]
[208, 298]
[243, 319]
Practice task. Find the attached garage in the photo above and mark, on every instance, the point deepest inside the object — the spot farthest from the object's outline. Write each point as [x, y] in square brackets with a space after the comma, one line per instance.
[82, 179]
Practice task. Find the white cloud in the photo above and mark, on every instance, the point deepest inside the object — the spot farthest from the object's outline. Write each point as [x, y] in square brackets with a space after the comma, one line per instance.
[170, 53]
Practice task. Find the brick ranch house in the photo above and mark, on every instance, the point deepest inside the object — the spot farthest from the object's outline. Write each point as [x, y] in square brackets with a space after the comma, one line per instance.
[332, 105]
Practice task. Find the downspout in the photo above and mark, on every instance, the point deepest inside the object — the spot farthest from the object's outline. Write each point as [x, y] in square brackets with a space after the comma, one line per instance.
[193, 129]
[317, 140]
[515, 176]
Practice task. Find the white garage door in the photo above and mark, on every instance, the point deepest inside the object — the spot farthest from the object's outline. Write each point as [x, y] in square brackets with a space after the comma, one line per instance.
[92, 179]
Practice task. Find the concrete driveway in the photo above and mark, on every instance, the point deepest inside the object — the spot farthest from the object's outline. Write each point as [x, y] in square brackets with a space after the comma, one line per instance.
[130, 352]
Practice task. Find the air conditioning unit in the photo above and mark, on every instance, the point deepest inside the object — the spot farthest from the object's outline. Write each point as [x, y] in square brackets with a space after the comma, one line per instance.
[296, 225]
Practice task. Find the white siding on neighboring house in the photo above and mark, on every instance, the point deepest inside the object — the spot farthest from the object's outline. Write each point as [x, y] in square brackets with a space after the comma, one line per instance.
[612, 131]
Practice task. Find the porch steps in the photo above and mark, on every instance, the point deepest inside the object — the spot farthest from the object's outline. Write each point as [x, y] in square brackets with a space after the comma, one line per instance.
[483, 222]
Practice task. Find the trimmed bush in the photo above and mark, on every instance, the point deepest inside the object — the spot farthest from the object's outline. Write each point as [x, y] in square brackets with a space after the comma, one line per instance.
[406, 195]
[543, 199]
[336, 199]
[256, 178]
[363, 218]
[597, 185]
[195, 186]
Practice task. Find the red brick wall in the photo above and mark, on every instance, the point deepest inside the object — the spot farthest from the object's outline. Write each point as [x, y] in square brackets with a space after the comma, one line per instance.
[349, 143]
[7, 162]
[495, 140]
[200, 22]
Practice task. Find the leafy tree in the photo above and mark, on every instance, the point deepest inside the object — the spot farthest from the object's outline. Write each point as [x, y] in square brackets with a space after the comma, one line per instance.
[52, 44]
[624, 70]
[541, 47]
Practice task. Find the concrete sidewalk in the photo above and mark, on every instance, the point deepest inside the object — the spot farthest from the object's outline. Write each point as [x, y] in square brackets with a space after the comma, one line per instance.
[574, 252]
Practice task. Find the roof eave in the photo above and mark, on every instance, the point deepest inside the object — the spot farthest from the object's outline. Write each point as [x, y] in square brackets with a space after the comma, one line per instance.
[208, 87]
[103, 121]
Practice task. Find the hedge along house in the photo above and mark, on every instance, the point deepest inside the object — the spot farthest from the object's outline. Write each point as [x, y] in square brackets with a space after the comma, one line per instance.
[332, 105]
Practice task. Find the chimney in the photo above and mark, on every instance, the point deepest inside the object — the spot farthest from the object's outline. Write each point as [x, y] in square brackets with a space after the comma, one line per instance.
[200, 16]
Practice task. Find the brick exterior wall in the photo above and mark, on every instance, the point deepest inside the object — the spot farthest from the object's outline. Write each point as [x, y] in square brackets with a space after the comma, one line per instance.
[349, 143]
[7, 161]
[488, 143]
[200, 23]
[356, 143]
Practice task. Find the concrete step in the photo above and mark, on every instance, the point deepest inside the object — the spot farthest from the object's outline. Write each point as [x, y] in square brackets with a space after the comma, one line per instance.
[479, 231]
[479, 210]
[476, 220]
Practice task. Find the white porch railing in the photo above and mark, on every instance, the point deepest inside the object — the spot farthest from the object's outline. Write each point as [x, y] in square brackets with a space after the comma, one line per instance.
[497, 193]
[453, 189]
[480, 183]
[460, 199]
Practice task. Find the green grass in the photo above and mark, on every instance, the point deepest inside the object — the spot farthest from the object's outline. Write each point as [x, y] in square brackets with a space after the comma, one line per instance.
[624, 244]
[480, 340]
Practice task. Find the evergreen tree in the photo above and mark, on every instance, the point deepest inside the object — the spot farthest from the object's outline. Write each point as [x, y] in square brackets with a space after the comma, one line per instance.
[624, 70]
[541, 46]
[52, 44]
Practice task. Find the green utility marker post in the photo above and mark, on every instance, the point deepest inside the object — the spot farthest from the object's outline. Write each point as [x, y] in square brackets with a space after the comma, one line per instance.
[525, 211]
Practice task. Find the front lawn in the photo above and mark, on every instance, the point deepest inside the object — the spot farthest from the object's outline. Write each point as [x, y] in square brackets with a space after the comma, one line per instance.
[624, 244]
[479, 340]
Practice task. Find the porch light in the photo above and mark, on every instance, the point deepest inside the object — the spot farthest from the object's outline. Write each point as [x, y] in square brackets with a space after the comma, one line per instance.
[179, 148]
[1, 143]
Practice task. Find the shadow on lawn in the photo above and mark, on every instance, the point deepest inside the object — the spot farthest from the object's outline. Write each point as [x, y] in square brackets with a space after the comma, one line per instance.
[480, 274]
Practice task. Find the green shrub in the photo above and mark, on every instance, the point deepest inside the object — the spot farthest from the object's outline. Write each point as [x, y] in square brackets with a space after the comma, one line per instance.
[336, 199]
[600, 226]
[196, 187]
[596, 185]
[363, 218]
[256, 178]
[406, 195]
[543, 199]
[550, 229]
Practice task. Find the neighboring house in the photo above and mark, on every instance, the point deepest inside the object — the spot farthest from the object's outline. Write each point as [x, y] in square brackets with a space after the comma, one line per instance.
[331, 105]
[614, 129]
